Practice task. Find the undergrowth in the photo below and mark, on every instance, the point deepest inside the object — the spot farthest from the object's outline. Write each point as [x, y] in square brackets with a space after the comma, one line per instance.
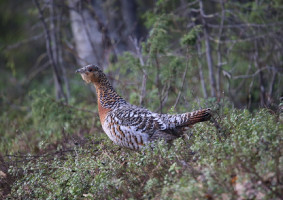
[236, 156]
[43, 122]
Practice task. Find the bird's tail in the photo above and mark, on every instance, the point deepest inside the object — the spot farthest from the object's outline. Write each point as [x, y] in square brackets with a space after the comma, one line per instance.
[198, 116]
[190, 118]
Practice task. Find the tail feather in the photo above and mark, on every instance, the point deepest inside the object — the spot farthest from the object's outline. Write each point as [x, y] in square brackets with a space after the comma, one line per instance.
[198, 116]
[188, 119]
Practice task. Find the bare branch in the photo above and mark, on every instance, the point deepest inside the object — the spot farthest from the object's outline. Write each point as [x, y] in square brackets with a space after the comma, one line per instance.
[144, 77]
[22, 42]
[256, 73]
[245, 25]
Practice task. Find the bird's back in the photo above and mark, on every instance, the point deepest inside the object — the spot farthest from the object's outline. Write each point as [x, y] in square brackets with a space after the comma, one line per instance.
[133, 126]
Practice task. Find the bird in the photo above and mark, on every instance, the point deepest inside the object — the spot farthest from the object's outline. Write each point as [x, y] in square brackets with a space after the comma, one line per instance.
[131, 126]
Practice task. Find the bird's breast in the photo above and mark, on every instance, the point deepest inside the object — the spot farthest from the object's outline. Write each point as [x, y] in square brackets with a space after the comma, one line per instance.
[102, 112]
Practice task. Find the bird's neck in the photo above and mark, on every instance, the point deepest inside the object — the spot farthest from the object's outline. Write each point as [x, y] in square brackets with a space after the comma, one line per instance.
[107, 97]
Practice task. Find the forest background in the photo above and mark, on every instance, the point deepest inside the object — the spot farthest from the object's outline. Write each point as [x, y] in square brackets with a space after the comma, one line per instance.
[166, 55]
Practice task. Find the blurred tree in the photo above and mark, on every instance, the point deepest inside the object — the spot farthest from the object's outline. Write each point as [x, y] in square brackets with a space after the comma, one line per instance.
[237, 51]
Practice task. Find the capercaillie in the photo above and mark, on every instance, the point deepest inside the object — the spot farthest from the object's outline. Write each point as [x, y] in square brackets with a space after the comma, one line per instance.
[132, 126]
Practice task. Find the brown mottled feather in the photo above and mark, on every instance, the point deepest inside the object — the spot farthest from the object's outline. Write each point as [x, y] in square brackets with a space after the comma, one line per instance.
[131, 126]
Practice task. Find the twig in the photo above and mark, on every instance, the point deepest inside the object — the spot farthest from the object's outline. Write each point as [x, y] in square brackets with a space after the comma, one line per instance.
[18, 44]
[254, 74]
[246, 25]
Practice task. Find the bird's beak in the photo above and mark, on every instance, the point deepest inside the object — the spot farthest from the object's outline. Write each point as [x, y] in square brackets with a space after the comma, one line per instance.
[81, 70]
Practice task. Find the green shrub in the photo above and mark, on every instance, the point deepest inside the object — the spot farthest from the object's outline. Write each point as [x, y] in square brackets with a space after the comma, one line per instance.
[241, 157]
[43, 121]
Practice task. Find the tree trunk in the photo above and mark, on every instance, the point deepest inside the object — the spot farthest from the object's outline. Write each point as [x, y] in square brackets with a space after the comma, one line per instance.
[204, 90]
[261, 79]
[58, 78]
[87, 36]
[129, 11]
[51, 47]
[208, 52]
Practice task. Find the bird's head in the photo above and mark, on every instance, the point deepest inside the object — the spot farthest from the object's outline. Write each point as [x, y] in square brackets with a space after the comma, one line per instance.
[91, 74]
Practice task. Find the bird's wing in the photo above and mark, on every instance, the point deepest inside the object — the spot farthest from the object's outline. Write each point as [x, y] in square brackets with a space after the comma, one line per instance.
[140, 118]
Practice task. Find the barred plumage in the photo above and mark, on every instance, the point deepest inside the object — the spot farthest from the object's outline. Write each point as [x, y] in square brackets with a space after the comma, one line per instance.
[132, 126]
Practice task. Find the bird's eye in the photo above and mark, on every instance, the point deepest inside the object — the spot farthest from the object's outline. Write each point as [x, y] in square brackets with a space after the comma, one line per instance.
[90, 70]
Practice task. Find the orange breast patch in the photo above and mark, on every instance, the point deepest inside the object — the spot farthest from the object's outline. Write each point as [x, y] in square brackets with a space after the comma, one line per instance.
[102, 112]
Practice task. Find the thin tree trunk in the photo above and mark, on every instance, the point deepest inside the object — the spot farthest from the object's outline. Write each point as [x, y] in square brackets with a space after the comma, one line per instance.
[158, 83]
[60, 56]
[218, 49]
[208, 52]
[261, 79]
[59, 81]
[129, 13]
[204, 90]
[271, 87]
[52, 50]
[183, 81]
[144, 77]
[88, 38]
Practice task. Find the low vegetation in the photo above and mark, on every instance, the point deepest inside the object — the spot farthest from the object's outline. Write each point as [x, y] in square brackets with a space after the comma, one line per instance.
[236, 155]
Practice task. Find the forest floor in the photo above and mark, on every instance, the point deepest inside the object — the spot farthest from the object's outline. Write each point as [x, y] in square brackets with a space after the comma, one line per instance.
[238, 157]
